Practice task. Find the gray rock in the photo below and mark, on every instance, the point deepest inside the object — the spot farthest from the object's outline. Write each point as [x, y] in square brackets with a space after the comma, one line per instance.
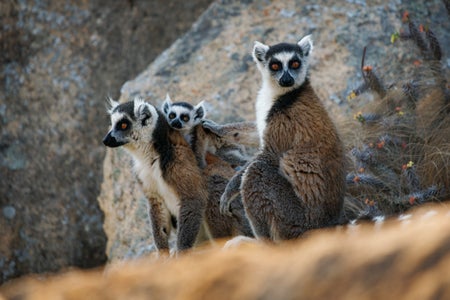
[59, 60]
[9, 212]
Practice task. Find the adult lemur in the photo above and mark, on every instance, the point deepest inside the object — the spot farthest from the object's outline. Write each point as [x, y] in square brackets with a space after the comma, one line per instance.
[297, 180]
[166, 168]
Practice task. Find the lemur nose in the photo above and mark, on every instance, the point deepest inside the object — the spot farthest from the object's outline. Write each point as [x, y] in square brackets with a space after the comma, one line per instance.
[111, 141]
[176, 124]
[286, 80]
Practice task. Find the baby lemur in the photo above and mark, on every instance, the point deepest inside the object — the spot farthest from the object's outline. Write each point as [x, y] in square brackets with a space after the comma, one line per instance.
[226, 141]
[297, 180]
[166, 167]
[183, 116]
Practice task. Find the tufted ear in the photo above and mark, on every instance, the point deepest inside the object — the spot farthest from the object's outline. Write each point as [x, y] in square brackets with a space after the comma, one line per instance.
[166, 104]
[143, 112]
[259, 52]
[306, 45]
[111, 104]
[200, 111]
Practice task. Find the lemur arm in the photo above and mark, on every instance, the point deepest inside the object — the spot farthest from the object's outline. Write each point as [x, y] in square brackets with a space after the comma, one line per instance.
[244, 133]
[232, 191]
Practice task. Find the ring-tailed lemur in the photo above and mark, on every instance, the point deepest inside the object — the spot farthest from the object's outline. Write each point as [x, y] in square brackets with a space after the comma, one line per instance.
[297, 180]
[226, 141]
[166, 167]
[183, 116]
[217, 151]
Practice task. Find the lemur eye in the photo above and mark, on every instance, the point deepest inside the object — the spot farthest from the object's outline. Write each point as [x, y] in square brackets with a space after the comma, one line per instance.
[275, 66]
[122, 125]
[172, 116]
[185, 118]
[295, 64]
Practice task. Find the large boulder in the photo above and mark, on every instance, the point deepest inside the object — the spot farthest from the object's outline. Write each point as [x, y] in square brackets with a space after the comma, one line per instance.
[213, 62]
[59, 60]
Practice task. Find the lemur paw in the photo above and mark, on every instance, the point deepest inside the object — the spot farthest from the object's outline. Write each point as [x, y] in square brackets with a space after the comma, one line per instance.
[225, 205]
[213, 127]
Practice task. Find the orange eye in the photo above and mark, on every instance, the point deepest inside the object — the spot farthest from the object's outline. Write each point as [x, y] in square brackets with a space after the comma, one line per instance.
[295, 64]
[123, 125]
[275, 66]
[171, 116]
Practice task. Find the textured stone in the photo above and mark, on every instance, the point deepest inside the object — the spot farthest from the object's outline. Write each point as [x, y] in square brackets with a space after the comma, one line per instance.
[213, 62]
[9, 212]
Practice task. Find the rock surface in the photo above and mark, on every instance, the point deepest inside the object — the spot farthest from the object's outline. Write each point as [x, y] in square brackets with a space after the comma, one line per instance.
[59, 60]
[213, 62]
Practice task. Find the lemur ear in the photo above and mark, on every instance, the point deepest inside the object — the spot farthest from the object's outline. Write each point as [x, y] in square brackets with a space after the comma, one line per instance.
[200, 111]
[166, 104]
[306, 45]
[259, 51]
[111, 104]
[144, 113]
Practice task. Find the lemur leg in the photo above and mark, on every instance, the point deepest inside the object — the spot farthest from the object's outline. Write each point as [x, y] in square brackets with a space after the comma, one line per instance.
[161, 223]
[189, 221]
[271, 205]
[258, 207]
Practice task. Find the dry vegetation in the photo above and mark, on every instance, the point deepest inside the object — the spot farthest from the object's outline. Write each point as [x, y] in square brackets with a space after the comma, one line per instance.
[400, 150]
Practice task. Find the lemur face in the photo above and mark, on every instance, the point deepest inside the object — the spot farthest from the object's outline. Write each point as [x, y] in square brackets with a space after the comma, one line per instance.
[182, 116]
[131, 122]
[285, 65]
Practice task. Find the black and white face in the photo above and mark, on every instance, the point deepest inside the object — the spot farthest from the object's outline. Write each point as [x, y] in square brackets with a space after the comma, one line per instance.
[284, 64]
[286, 67]
[131, 122]
[183, 116]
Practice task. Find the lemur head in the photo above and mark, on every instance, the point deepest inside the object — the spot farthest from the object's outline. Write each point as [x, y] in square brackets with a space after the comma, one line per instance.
[183, 116]
[131, 122]
[283, 66]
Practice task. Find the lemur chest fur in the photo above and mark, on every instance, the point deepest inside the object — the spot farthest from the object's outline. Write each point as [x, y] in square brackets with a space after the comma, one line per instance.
[264, 102]
[151, 176]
